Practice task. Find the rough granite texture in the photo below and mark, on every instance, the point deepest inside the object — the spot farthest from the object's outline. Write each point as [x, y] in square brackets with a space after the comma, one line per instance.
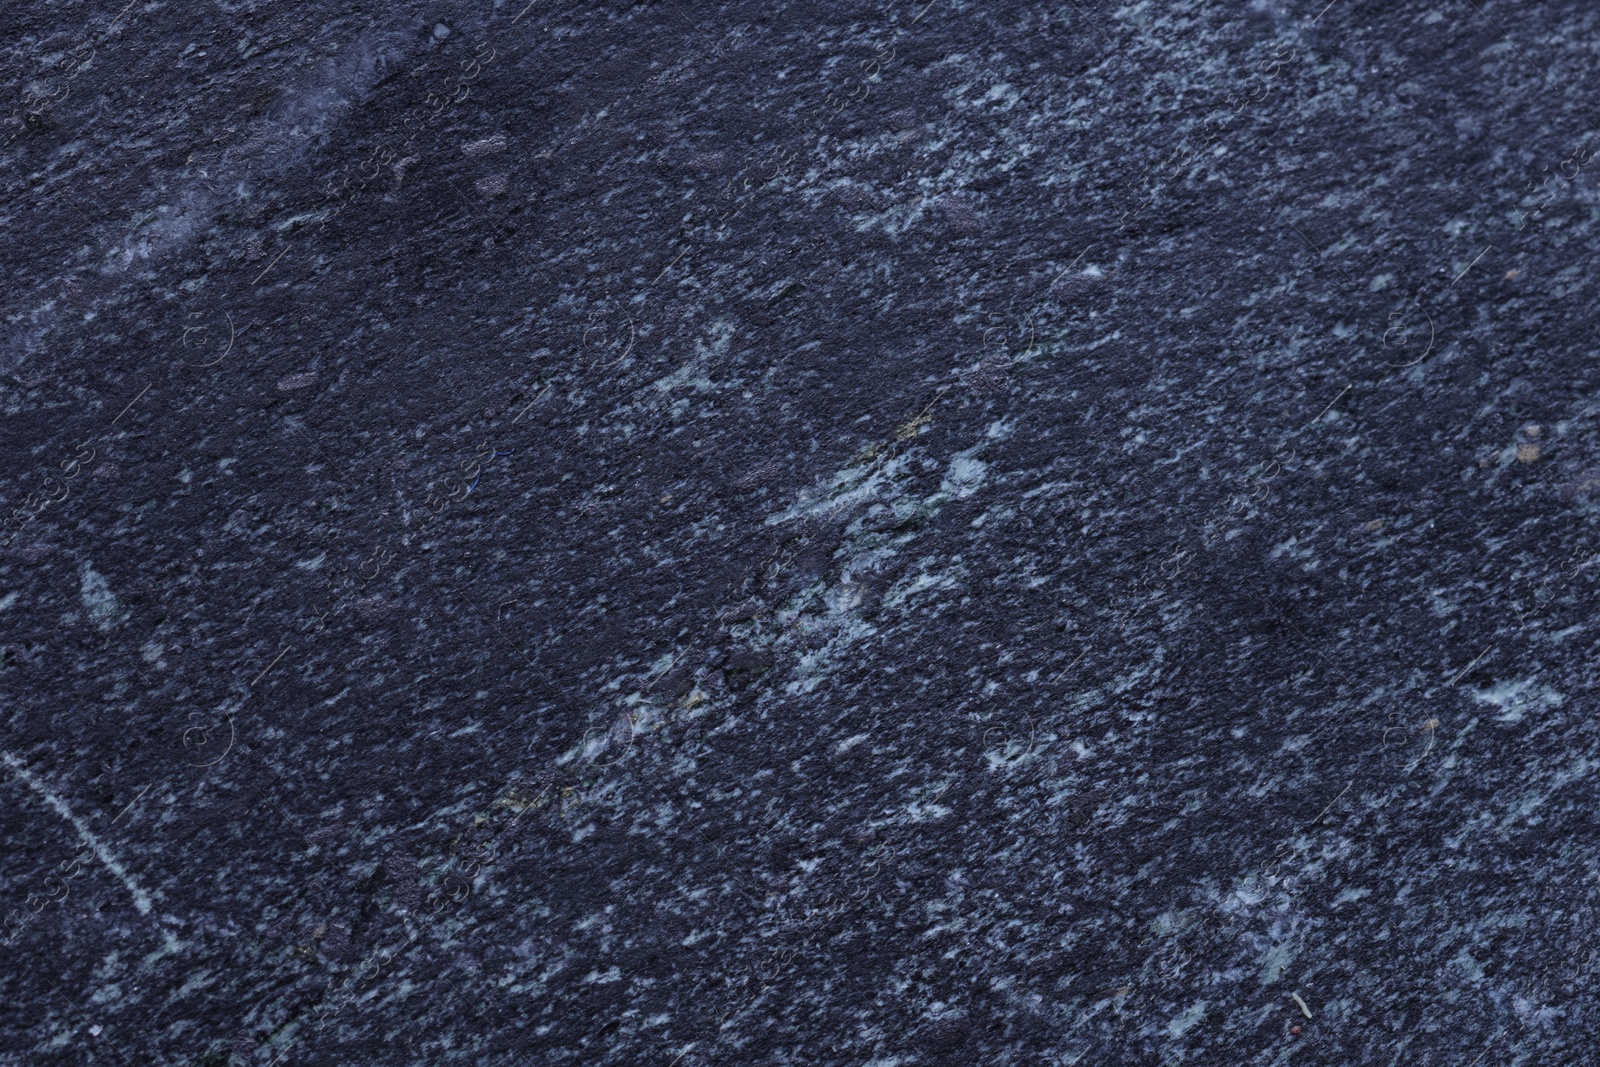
[1006, 533]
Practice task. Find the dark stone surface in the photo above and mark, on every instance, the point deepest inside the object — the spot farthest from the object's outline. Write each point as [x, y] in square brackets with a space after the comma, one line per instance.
[914, 533]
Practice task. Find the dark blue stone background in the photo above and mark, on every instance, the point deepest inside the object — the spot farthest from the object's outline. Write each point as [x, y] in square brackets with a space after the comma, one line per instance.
[816, 533]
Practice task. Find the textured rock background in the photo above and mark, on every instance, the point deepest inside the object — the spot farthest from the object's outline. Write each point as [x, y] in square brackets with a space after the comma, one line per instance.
[910, 533]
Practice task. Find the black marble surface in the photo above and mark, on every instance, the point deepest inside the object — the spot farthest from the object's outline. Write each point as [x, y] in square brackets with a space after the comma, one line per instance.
[880, 534]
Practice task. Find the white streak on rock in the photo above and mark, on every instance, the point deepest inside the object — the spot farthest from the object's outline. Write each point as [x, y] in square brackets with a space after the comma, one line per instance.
[141, 899]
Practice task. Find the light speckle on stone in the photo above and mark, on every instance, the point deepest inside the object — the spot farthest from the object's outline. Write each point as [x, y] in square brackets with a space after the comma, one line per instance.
[99, 602]
[302, 380]
[485, 146]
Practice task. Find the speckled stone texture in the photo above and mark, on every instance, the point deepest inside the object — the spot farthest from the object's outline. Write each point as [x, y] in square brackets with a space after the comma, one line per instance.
[885, 534]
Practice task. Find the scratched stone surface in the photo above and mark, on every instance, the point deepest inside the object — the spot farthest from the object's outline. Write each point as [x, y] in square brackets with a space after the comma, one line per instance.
[895, 533]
